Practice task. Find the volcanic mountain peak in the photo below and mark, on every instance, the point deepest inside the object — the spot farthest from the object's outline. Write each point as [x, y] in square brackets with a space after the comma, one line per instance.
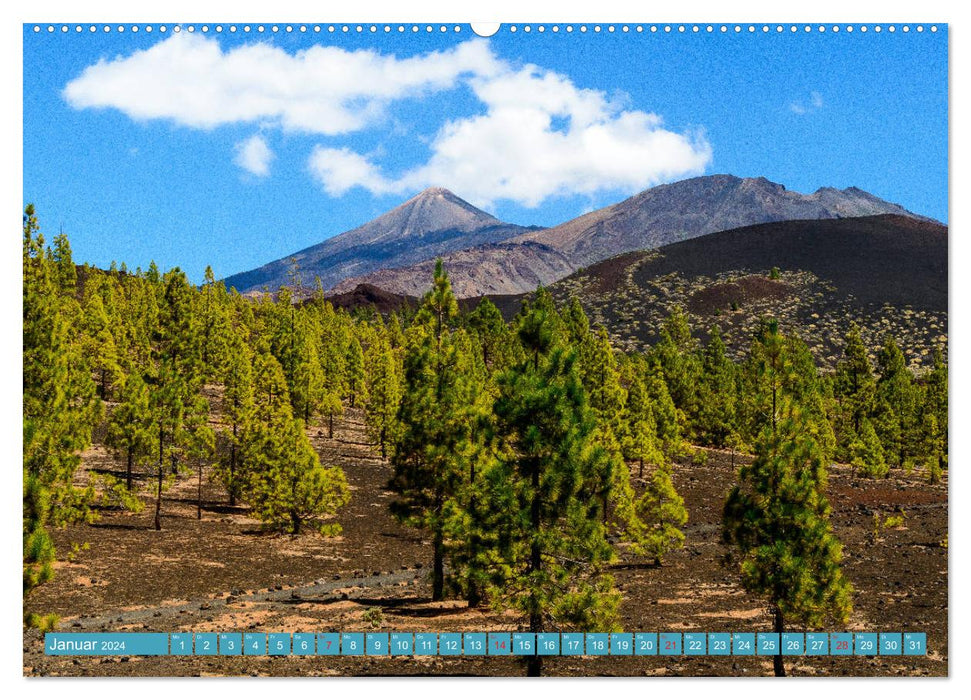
[435, 209]
[432, 223]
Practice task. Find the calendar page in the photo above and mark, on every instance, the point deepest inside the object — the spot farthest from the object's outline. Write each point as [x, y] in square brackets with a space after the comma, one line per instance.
[521, 349]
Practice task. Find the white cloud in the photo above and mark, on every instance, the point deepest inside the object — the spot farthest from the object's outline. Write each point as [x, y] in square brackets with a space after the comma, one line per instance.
[190, 80]
[340, 169]
[540, 136]
[537, 134]
[814, 103]
[254, 156]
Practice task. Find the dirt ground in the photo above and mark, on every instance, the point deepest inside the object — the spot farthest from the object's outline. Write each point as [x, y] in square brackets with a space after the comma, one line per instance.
[223, 573]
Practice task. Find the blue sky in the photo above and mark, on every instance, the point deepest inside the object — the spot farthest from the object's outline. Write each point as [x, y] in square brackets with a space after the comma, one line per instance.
[235, 149]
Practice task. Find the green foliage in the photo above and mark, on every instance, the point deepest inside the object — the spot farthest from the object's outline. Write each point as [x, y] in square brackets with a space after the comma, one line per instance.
[59, 403]
[115, 494]
[866, 453]
[384, 394]
[239, 407]
[716, 419]
[777, 521]
[42, 623]
[542, 488]
[285, 483]
[373, 617]
[430, 457]
[129, 432]
[855, 388]
[661, 515]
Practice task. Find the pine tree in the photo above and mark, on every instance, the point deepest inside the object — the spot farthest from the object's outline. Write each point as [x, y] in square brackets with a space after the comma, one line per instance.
[551, 533]
[716, 421]
[179, 411]
[356, 387]
[660, 515]
[495, 338]
[677, 355]
[285, 482]
[665, 413]
[935, 403]
[895, 413]
[866, 452]
[333, 364]
[384, 393]
[216, 326]
[239, 407]
[642, 439]
[855, 386]
[429, 459]
[129, 433]
[97, 336]
[59, 403]
[777, 518]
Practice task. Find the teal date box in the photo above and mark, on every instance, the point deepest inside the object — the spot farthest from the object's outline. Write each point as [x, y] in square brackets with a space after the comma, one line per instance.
[598, 644]
[719, 644]
[645, 644]
[279, 644]
[572, 643]
[230, 644]
[866, 644]
[621, 644]
[254, 644]
[524, 643]
[841, 644]
[669, 644]
[500, 644]
[402, 644]
[793, 643]
[548, 643]
[891, 643]
[817, 644]
[206, 644]
[768, 643]
[303, 643]
[915, 643]
[328, 644]
[180, 644]
[352, 644]
[743, 644]
[695, 643]
[450, 644]
[377, 644]
[474, 643]
[426, 644]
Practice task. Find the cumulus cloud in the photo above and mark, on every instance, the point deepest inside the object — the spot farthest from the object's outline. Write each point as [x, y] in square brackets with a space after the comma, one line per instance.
[540, 136]
[814, 103]
[189, 79]
[340, 169]
[254, 156]
[535, 135]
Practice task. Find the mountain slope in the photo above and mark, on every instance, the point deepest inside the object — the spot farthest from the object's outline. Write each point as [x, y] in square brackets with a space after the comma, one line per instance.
[654, 218]
[888, 273]
[430, 224]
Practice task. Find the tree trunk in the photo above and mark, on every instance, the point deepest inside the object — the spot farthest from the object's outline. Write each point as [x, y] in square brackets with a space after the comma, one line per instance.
[330, 433]
[199, 494]
[128, 471]
[777, 664]
[158, 493]
[534, 664]
[640, 474]
[232, 470]
[438, 562]
[104, 387]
